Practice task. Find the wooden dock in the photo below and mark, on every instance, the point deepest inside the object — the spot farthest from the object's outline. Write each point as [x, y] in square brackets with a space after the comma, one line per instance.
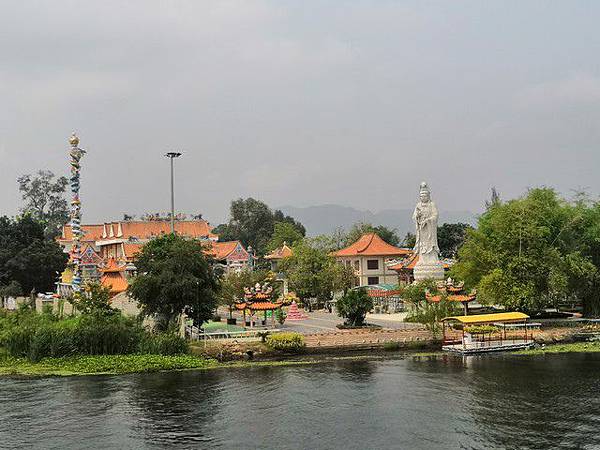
[487, 347]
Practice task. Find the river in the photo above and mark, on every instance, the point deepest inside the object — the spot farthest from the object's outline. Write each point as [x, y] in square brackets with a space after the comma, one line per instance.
[449, 402]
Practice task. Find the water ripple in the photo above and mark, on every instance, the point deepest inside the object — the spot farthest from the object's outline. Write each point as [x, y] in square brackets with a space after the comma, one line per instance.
[473, 403]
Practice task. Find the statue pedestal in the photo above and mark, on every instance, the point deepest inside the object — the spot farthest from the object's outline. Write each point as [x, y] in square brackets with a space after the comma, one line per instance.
[429, 267]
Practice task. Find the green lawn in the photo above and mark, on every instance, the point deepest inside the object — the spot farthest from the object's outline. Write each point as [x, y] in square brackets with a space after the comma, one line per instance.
[213, 327]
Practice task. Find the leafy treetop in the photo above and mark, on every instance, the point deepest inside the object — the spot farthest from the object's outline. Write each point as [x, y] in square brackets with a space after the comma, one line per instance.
[534, 252]
[253, 223]
[175, 276]
[44, 196]
[27, 256]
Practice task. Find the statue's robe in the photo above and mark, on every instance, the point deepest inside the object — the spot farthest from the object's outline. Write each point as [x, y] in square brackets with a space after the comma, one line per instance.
[426, 218]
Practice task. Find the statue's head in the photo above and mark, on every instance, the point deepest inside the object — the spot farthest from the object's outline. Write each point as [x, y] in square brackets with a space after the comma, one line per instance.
[424, 193]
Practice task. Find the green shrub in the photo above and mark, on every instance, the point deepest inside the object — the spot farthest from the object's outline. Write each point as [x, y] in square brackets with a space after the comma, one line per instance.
[36, 336]
[481, 329]
[286, 342]
[391, 346]
[164, 344]
[354, 306]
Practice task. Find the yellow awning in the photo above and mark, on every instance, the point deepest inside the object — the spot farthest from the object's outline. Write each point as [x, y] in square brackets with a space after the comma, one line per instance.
[487, 318]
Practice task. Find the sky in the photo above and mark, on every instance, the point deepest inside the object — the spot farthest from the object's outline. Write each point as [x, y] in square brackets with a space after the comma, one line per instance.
[300, 102]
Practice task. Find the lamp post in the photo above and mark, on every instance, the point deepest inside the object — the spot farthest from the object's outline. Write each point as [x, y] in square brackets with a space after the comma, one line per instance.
[172, 156]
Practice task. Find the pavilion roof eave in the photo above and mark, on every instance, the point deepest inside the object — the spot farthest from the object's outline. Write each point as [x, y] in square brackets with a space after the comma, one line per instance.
[490, 318]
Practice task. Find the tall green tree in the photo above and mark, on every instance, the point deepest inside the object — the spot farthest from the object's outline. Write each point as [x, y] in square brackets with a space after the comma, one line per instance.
[252, 222]
[313, 273]
[27, 256]
[175, 276]
[358, 229]
[451, 237]
[279, 216]
[284, 232]
[533, 252]
[354, 306]
[43, 195]
[409, 240]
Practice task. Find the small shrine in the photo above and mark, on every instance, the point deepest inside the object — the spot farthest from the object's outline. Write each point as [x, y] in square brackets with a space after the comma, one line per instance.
[455, 292]
[294, 313]
[257, 299]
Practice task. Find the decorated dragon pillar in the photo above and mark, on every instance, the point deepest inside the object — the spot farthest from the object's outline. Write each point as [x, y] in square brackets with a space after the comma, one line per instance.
[76, 154]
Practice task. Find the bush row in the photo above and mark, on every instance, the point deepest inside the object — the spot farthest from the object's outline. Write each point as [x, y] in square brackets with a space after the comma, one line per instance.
[286, 342]
[36, 336]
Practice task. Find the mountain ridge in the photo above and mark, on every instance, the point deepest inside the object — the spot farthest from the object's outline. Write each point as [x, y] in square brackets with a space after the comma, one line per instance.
[324, 219]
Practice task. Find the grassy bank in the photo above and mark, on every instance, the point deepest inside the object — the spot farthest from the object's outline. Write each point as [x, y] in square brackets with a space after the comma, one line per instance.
[124, 364]
[100, 364]
[575, 347]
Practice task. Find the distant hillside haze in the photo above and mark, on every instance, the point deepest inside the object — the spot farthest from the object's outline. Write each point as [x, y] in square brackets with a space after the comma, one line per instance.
[324, 219]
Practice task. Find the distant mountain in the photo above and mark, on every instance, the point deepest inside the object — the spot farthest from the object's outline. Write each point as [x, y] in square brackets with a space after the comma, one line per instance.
[323, 219]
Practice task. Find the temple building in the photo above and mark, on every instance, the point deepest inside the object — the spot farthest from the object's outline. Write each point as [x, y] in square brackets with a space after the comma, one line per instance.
[109, 249]
[231, 255]
[277, 255]
[369, 257]
[120, 240]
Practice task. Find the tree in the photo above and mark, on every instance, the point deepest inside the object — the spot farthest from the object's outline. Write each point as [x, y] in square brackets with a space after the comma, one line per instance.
[94, 299]
[343, 277]
[451, 237]
[494, 199]
[361, 228]
[252, 222]
[424, 311]
[175, 276]
[43, 194]
[533, 252]
[409, 240]
[278, 216]
[310, 271]
[354, 306]
[27, 256]
[284, 232]
[13, 289]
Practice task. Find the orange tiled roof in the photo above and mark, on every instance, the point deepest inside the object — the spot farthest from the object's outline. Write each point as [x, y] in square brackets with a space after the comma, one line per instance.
[383, 293]
[148, 229]
[131, 249]
[113, 267]
[451, 298]
[221, 250]
[90, 233]
[141, 229]
[258, 306]
[280, 253]
[371, 245]
[116, 281]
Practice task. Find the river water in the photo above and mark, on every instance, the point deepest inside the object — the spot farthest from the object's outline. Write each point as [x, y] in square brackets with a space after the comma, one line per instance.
[415, 403]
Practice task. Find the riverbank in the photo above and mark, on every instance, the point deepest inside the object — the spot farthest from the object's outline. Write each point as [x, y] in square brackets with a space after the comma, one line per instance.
[573, 347]
[215, 357]
[101, 364]
[127, 364]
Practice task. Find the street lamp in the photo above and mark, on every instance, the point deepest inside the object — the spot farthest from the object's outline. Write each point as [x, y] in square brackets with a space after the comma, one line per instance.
[171, 156]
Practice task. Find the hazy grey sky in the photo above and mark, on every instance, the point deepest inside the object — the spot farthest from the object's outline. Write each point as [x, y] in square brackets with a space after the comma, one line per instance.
[302, 103]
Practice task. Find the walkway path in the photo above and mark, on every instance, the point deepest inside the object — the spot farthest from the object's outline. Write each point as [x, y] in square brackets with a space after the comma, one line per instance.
[366, 337]
[322, 322]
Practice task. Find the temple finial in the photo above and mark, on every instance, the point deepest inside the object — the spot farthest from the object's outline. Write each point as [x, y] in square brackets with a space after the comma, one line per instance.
[74, 140]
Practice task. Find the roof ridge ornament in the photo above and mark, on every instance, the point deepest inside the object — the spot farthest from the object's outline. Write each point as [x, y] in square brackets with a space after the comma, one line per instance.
[74, 140]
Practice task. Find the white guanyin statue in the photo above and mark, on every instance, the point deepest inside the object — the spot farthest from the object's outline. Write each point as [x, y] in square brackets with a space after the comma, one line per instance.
[426, 246]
